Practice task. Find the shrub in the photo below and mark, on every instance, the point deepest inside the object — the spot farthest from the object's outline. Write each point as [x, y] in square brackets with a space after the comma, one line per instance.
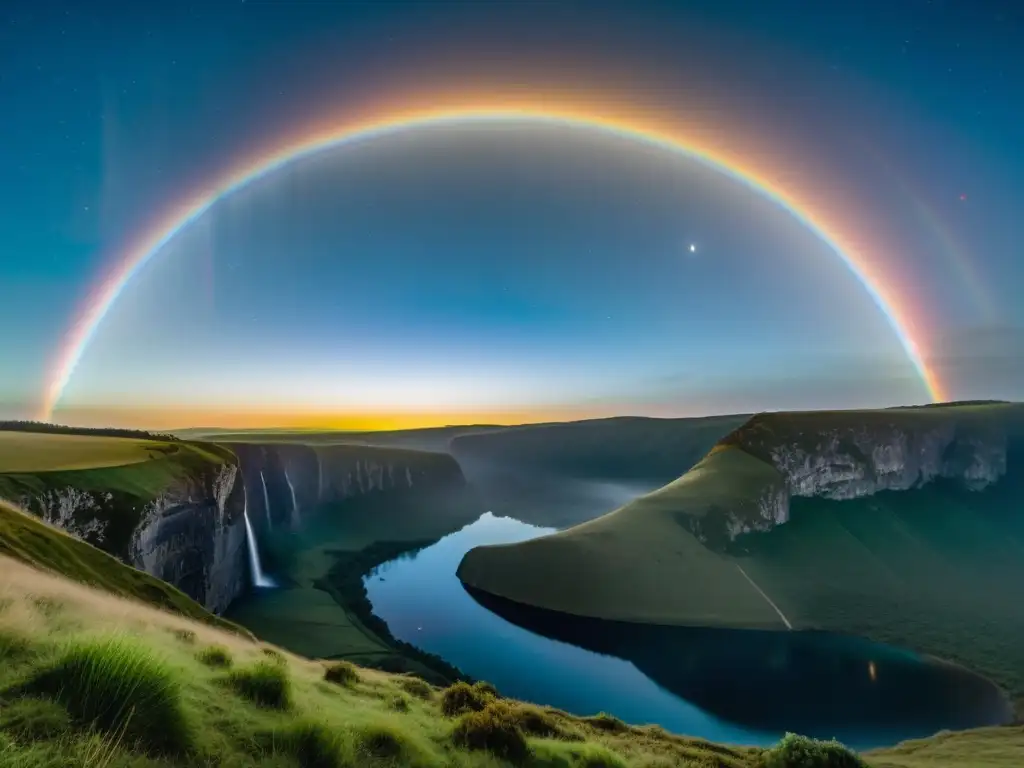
[342, 673]
[485, 689]
[795, 751]
[492, 730]
[215, 656]
[531, 720]
[414, 686]
[273, 654]
[462, 697]
[186, 636]
[381, 741]
[264, 683]
[399, 703]
[117, 688]
[314, 745]
[606, 722]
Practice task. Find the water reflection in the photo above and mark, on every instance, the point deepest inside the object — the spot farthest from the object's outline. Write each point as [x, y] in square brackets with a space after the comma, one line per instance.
[745, 687]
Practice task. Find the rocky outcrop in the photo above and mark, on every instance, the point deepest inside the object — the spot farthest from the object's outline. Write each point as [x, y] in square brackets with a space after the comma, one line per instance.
[847, 455]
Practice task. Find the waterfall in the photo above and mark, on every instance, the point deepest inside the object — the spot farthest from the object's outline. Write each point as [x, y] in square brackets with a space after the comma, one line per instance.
[295, 506]
[266, 499]
[259, 579]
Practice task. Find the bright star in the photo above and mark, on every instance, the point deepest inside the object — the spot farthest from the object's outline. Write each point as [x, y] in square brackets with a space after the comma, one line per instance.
[693, 248]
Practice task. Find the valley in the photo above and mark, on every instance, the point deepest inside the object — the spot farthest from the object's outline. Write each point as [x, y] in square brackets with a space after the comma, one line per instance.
[898, 527]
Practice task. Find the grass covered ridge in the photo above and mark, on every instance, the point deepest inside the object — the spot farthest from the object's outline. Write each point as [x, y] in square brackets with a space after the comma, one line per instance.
[68, 673]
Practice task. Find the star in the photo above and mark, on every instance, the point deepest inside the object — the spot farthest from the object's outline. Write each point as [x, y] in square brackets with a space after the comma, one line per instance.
[693, 248]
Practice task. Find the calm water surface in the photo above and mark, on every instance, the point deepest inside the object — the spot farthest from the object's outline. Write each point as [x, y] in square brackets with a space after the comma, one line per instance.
[731, 686]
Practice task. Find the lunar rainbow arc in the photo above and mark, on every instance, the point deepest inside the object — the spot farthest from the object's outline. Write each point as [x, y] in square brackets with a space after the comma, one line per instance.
[106, 294]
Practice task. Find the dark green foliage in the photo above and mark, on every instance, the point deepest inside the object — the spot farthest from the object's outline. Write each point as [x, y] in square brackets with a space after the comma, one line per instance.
[341, 673]
[32, 719]
[493, 730]
[381, 742]
[116, 687]
[485, 689]
[462, 697]
[417, 687]
[606, 722]
[314, 745]
[795, 751]
[215, 656]
[264, 683]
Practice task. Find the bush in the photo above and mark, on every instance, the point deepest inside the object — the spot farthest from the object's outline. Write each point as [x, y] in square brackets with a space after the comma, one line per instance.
[342, 673]
[117, 688]
[531, 720]
[399, 703]
[186, 636]
[491, 730]
[414, 686]
[274, 655]
[462, 697]
[485, 689]
[381, 741]
[606, 722]
[314, 745]
[795, 751]
[264, 683]
[215, 656]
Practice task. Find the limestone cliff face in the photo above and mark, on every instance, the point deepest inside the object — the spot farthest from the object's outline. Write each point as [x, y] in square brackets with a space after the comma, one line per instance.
[193, 536]
[190, 535]
[835, 456]
[285, 481]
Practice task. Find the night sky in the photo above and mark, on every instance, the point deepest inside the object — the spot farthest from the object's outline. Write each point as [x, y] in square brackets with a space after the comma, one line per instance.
[511, 270]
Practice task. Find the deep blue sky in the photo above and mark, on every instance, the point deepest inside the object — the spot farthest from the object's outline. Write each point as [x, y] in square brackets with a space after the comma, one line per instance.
[511, 267]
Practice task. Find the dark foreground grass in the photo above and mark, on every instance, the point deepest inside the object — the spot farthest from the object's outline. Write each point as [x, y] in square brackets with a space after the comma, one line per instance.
[119, 688]
[74, 695]
[263, 683]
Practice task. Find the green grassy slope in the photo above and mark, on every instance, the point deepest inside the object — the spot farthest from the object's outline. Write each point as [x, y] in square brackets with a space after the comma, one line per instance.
[935, 569]
[74, 661]
[25, 538]
[641, 562]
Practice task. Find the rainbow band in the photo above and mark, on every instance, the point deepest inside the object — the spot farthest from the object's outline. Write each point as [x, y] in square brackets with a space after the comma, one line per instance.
[100, 302]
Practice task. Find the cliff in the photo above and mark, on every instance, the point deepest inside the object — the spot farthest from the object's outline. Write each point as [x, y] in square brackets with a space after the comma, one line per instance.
[841, 455]
[176, 516]
[285, 481]
[176, 511]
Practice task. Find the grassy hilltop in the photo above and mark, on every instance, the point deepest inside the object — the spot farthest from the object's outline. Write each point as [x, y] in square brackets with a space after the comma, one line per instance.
[937, 569]
[88, 678]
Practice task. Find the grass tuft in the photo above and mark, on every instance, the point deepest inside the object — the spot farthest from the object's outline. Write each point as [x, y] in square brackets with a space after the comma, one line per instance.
[493, 730]
[215, 656]
[605, 722]
[795, 751]
[461, 697]
[264, 683]
[186, 636]
[398, 703]
[118, 688]
[382, 742]
[417, 687]
[342, 673]
[314, 745]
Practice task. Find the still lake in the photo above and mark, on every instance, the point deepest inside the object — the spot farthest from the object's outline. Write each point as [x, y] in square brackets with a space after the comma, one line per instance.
[733, 686]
